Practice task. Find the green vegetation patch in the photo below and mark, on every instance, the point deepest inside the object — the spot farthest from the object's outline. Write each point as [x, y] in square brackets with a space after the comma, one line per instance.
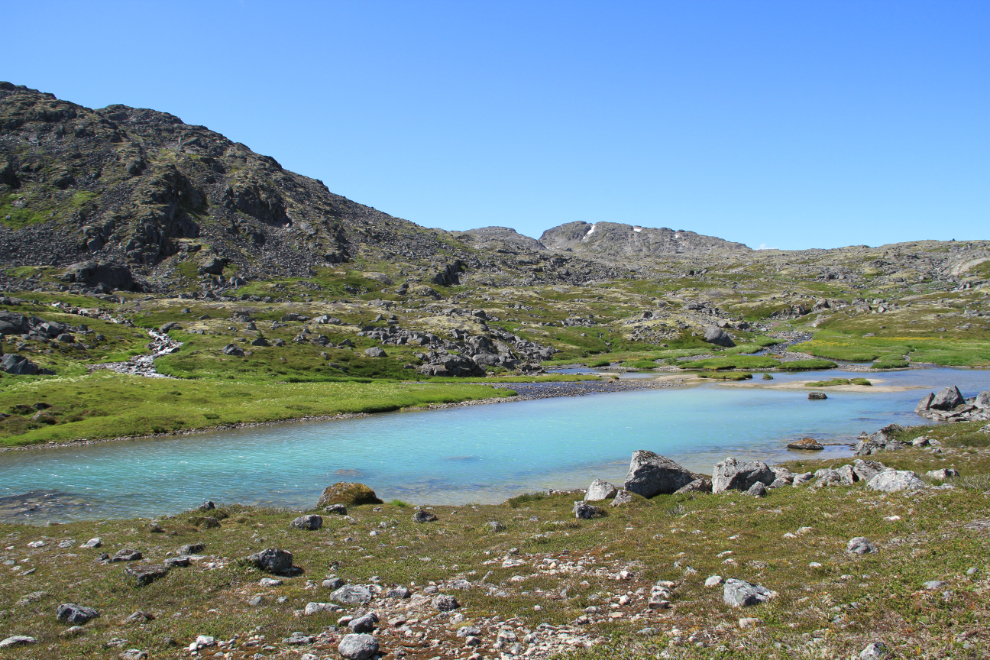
[839, 381]
[736, 362]
[107, 405]
[807, 365]
[726, 375]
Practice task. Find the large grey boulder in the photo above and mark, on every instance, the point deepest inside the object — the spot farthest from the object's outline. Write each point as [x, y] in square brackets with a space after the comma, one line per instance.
[948, 398]
[12, 323]
[925, 404]
[375, 352]
[77, 615]
[358, 646]
[730, 474]
[891, 481]
[600, 490]
[982, 400]
[18, 365]
[882, 440]
[739, 593]
[651, 475]
[718, 336]
[92, 274]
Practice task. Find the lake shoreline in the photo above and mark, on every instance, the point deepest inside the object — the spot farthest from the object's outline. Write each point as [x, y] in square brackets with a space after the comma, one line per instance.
[533, 392]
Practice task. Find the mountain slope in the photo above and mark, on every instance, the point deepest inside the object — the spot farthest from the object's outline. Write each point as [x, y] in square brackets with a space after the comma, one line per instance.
[611, 239]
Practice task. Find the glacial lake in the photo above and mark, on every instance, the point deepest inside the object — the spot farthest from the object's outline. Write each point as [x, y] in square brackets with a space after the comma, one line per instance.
[471, 454]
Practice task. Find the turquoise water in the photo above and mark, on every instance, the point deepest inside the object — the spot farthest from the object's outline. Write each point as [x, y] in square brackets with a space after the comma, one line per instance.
[478, 454]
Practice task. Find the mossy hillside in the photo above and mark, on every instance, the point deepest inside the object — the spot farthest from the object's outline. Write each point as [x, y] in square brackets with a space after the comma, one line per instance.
[108, 405]
[845, 603]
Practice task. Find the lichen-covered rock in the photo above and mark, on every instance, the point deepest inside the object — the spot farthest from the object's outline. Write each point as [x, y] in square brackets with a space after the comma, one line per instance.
[273, 560]
[739, 593]
[583, 510]
[310, 522]
[860, 545]
[358, 646]
[77, 615]
[348, 494]
[948, 398]
[718, 336]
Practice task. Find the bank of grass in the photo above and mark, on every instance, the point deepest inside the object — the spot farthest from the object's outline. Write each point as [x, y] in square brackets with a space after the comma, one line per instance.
[943, 351]
[835, 382]
[843, 602]
[726, 375]
[735, 362]
[107, 405]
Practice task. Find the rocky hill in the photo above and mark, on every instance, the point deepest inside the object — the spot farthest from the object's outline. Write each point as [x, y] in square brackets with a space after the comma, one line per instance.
[614, 240]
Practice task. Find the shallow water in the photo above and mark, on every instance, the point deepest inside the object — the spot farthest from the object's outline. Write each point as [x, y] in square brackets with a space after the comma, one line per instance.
[478, 454]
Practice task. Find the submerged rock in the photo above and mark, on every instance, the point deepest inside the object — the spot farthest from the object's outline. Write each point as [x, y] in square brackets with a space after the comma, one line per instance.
[807, 444]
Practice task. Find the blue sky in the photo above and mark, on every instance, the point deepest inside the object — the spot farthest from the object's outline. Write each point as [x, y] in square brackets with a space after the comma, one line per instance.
[785, 124]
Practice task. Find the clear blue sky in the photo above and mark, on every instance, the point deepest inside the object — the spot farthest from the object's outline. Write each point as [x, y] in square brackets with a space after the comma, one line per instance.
[788, 124]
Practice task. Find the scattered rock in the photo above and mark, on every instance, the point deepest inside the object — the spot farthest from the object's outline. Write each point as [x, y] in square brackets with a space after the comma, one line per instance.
[358, 646]
[125, 554]
[375, 352]
[757, 490]
[651, 475]
[17, 640]
[398, 592]
[873, 651]
[739, 593]
[273, 560]
[336, 509]
[231, 349]
[139, 617]
[94, 542]
[583, 510]
[310, 522]
[942, 474]
[445, 603]
[351, 594]
[860, 545]
[133, 654]
[600, 490]
[424, 517]
[714, 581]
[75, 614]
[701, 485]
[192, 548]
[622, 497]
[144, 574]
[364, 624]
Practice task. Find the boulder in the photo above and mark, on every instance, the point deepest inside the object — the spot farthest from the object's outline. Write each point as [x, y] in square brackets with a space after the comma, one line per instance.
[948, 398]
[309, 522]
[651, 475]
[375, 352]
[213, 266]
[348, 494]
[231, 349]
[358, 646]
[364, 624]
[260, 341]
[718, 336]
[733, 475]
[860, 546]
[445, 603]
[336, 509]
[827, 477]
[817, 396]
[874, 651]
[758, 489]
[18, 365]
[983, 400]
[92, 274]
[806, 444]
[273, 560]
[600, 490]
[77, 615]
[739, 593]
[925, 404]
[351, 594]
[12, 323]
[891, 481]
[848, 475]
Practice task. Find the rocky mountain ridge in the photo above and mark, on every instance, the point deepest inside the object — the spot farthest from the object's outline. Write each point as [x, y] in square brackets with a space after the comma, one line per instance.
[162, 205]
